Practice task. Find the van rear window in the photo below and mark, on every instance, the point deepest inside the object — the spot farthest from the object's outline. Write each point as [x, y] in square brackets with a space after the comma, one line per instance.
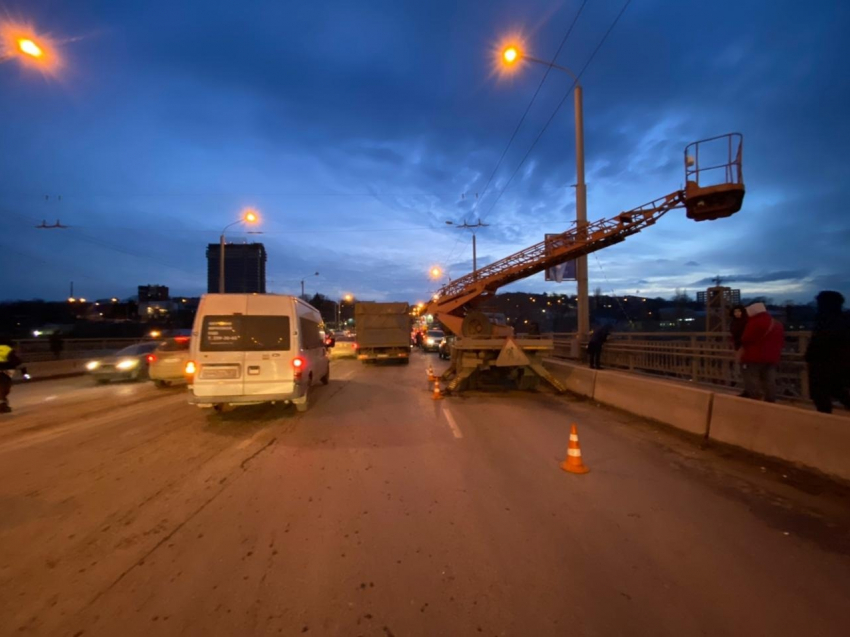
[245, 333]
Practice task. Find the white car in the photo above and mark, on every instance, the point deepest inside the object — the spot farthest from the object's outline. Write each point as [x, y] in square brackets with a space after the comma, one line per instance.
[255, 348]
[167, 363]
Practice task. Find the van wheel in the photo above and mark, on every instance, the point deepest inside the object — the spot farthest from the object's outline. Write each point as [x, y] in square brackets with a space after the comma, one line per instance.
[161, 384]
[327, 377]
[301, 404]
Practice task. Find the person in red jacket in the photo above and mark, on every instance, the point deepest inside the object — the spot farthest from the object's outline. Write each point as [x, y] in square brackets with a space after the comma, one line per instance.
[762, 343]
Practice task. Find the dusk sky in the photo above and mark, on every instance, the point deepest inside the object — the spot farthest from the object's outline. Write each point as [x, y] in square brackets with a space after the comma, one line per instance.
[358, 128]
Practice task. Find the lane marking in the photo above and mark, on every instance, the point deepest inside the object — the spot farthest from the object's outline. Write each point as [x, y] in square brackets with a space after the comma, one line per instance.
[347, 375]
[451, 420]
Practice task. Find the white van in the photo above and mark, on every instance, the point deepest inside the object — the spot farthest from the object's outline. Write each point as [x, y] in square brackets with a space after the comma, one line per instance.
[255, 348]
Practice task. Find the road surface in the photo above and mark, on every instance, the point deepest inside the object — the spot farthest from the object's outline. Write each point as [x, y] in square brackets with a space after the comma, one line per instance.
[126, 511]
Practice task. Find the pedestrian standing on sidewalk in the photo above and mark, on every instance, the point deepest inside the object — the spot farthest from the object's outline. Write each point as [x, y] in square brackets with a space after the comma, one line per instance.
[762, 343]
[594, 346]
[9, 360]
[57, 344]
[828, 353]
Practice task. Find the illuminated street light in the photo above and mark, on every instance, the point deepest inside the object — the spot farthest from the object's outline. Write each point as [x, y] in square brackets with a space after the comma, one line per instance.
[511, 56]
[436, 272]
[20, 41]
[249, 215]
[28, 47]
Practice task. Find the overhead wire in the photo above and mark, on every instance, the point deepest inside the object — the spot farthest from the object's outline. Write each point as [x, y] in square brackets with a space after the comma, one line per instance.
[558, 107]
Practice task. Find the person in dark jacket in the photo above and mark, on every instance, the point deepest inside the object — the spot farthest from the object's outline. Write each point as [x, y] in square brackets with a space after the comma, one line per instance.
[594, 346]
[9, 360]
[736, 330]
[737, 325]
[57, 344]
[828, 353]
[762, 343]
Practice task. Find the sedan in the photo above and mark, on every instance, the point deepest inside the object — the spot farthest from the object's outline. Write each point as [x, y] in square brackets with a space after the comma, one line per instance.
[167, 363]
[345, 347]
[130, 363]
[431, 342]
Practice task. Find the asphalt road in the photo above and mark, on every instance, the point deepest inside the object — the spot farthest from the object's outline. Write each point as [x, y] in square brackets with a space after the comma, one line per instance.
[126, 511]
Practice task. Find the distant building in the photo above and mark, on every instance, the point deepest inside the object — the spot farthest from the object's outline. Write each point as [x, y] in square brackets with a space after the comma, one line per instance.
[718, 302]
[244, 267]
[153, 293]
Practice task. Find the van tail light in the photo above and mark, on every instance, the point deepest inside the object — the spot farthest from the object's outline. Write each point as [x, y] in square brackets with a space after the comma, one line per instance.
[190, 368]
[356, 346]
[151, 358]
[298, 364]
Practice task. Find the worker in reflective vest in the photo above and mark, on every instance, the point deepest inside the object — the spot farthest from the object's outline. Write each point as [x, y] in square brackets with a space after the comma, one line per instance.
[9, 360]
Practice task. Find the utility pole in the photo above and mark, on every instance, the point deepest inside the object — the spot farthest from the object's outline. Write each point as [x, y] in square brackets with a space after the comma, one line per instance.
[468, 226]
[583, 308]
[304, 278]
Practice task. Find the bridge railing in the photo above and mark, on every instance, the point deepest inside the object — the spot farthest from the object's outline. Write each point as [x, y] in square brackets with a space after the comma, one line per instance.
[33, 350]
[700, 357]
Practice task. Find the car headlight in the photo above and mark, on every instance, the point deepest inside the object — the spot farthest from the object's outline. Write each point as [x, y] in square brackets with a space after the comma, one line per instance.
[430, 341]
[92, 365]
[130, 363]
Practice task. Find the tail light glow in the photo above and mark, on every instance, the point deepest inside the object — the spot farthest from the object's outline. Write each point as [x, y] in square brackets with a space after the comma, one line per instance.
[151, 358]
[190, 368]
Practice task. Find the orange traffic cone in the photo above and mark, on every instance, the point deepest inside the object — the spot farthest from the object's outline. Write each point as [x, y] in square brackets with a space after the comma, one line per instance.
[573, 463]
[431, 376]
[437, 394]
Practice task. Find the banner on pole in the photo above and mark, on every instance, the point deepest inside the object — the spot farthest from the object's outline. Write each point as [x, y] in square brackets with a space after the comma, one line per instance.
[564, 271]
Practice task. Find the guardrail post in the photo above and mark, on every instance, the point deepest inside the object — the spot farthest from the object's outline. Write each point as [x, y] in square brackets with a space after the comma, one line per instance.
[694, 360]
[802, 346]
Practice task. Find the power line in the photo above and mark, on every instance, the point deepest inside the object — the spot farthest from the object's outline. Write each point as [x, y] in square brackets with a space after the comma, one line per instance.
[530, 104]
[558, 108]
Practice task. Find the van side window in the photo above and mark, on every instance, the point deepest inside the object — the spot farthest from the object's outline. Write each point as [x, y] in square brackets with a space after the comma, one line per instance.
[310, 336]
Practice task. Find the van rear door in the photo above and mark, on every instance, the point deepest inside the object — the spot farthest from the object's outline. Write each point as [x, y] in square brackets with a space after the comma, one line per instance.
[270, 346]
[219, 345]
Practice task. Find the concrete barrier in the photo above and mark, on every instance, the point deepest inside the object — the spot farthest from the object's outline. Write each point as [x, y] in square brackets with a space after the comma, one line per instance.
[673, 404]
[45, 370]
[577, 379]
[807, 438]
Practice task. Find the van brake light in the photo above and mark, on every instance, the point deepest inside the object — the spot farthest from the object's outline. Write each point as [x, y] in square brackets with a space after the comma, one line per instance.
[298, 363]
[190, 368]
[151, 358]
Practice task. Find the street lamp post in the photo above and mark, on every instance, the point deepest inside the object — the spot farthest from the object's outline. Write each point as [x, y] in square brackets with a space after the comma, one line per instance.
[348, 298]
[248, 216]
[512, 55]
[304, 278]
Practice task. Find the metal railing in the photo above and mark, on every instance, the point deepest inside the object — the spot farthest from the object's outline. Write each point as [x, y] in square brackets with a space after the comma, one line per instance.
[33, 350]
[700, 357]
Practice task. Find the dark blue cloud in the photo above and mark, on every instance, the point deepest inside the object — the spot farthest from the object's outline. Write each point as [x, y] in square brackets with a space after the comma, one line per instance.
[358, 129]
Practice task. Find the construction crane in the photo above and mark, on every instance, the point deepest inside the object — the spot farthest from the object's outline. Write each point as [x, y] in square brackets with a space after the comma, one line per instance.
[486, 351]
